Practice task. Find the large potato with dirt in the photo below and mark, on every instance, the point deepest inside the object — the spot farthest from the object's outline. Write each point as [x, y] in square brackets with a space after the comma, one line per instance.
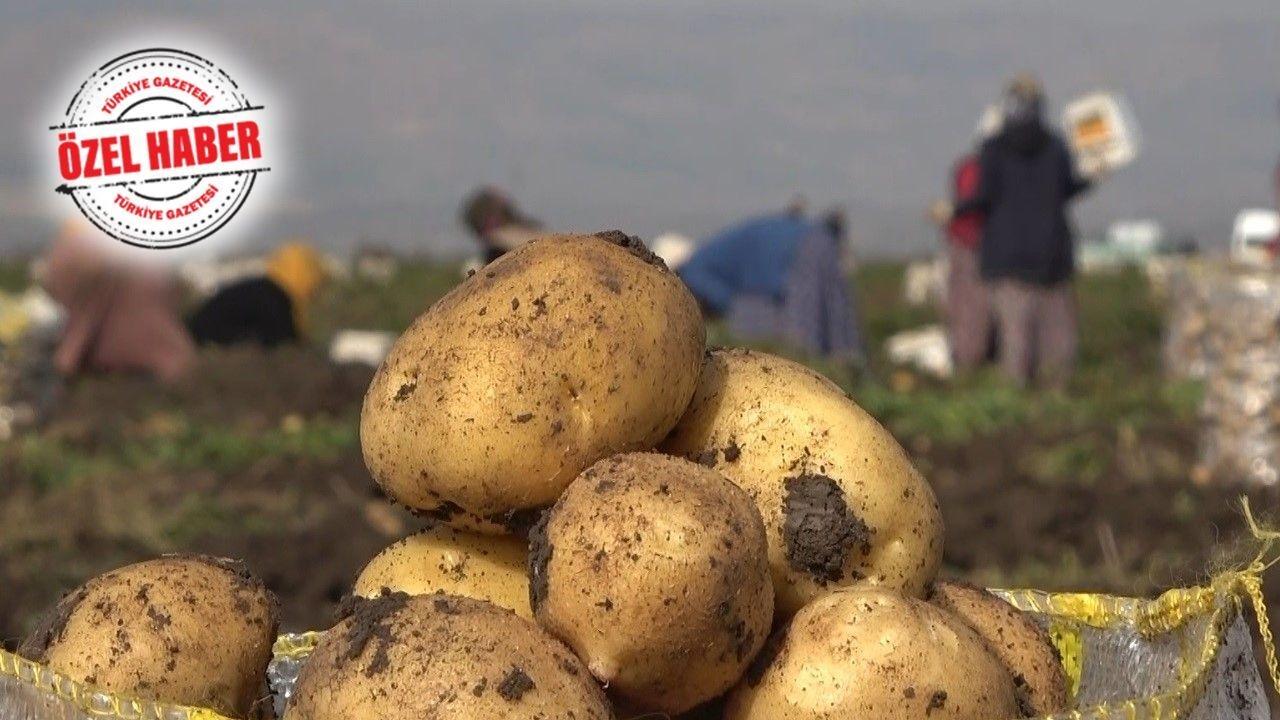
[874, 653]
[182, 629]
[445, 559]
[653, 569]
[840, 499]
[443, 657]
[565, 351]
[1022, 645]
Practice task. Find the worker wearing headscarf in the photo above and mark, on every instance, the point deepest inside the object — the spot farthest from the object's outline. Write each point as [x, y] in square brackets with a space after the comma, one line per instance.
[297, 268]
[120, 317]
[267, 310]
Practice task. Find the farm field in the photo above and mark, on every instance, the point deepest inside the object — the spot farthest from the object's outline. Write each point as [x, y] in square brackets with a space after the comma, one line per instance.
[257, 456]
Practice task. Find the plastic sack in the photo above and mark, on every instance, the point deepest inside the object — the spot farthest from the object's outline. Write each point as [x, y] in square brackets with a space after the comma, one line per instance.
[1223, 328]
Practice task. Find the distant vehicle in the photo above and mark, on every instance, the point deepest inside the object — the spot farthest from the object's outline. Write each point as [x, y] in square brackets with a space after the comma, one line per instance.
[1253, 239]
[1132, 242]
[1136, 237]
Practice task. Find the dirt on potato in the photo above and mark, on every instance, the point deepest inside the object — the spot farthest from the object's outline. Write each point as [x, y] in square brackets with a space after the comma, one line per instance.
[51, 626]
[819, 529]
[370, 622]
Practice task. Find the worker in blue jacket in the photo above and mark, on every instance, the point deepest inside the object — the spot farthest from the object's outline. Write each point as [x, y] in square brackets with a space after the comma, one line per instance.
[777, 278]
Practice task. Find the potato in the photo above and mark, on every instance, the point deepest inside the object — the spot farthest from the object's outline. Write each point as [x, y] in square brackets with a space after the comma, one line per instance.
[444, 657]
[565, 351]
[189, 630]
[453, 561]
[653, 569]
[1021, 644]
[874, 653]
[840, 499]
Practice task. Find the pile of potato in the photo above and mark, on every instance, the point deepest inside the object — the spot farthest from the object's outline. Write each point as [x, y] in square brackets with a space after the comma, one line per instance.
[626, 524]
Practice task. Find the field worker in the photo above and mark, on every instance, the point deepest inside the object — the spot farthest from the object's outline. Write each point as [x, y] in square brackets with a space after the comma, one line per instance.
[777, 278]
[267, 310]
[497, 224]
[970, 326]
[1027, 177]
[120, 317]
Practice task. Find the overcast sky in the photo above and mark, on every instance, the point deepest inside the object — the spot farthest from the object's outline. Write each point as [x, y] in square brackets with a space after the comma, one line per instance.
[653, 116]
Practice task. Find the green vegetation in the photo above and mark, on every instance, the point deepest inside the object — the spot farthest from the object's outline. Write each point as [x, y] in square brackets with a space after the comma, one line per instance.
[52, 462]
[370, 305]
[878, 287]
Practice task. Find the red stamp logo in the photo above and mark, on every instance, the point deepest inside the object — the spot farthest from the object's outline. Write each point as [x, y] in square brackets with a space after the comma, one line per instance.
[160, 148]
